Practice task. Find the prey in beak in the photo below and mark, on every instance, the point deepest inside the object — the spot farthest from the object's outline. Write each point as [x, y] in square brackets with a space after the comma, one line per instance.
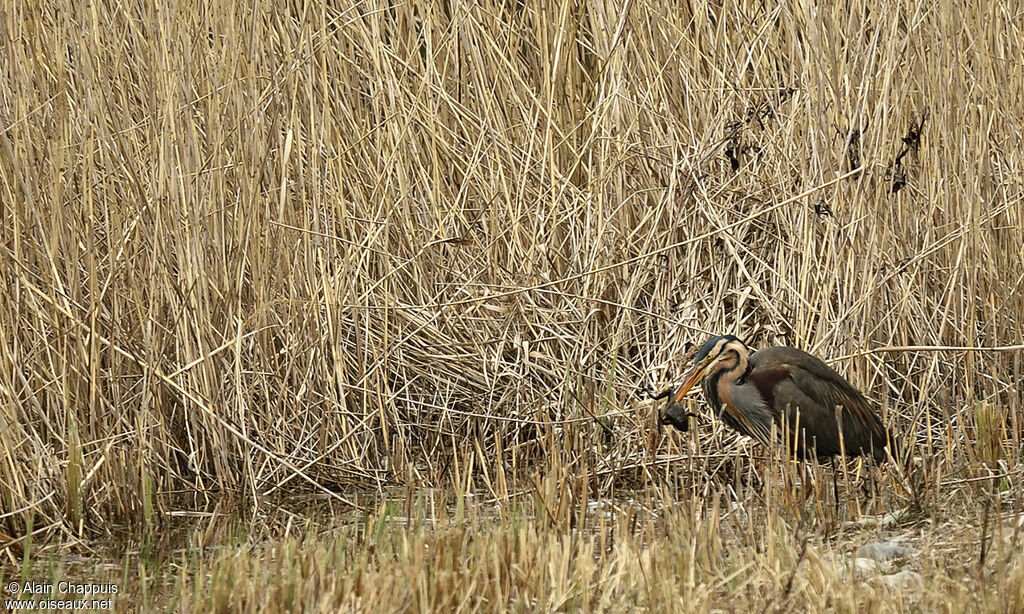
[675, 415]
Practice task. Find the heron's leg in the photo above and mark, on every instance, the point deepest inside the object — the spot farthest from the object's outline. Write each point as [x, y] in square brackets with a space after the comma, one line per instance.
[873, 484]
[816, 471]
[835, 487]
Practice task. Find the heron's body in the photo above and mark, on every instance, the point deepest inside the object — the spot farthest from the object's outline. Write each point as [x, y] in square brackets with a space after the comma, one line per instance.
[789, 390]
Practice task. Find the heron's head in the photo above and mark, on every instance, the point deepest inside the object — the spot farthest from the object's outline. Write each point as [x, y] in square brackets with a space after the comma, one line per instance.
[723, 352]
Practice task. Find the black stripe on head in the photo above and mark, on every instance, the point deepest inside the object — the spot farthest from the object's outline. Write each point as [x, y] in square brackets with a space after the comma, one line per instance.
[713, 343]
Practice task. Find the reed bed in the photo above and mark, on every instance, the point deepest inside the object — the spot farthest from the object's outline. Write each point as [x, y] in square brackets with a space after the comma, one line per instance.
[256, 255]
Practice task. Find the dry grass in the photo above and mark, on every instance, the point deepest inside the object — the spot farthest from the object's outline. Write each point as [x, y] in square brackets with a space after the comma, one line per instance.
[422, 251]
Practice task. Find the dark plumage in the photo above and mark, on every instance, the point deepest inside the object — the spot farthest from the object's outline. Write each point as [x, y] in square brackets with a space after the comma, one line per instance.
[788, 388]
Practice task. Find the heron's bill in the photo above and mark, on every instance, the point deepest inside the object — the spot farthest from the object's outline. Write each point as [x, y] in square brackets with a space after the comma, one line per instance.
[698, 373]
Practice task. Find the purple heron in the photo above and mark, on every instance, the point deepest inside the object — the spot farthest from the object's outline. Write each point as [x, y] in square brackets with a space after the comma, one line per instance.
[787, 389]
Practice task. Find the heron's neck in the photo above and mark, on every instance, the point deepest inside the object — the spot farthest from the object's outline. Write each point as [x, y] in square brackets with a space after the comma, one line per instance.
[735, 368]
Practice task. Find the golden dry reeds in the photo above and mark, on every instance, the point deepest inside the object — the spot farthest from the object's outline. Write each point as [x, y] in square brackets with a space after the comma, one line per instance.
[252, 251]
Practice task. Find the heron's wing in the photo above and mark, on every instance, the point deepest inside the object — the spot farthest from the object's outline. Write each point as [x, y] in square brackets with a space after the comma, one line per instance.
[827, 387]
[819, 383]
